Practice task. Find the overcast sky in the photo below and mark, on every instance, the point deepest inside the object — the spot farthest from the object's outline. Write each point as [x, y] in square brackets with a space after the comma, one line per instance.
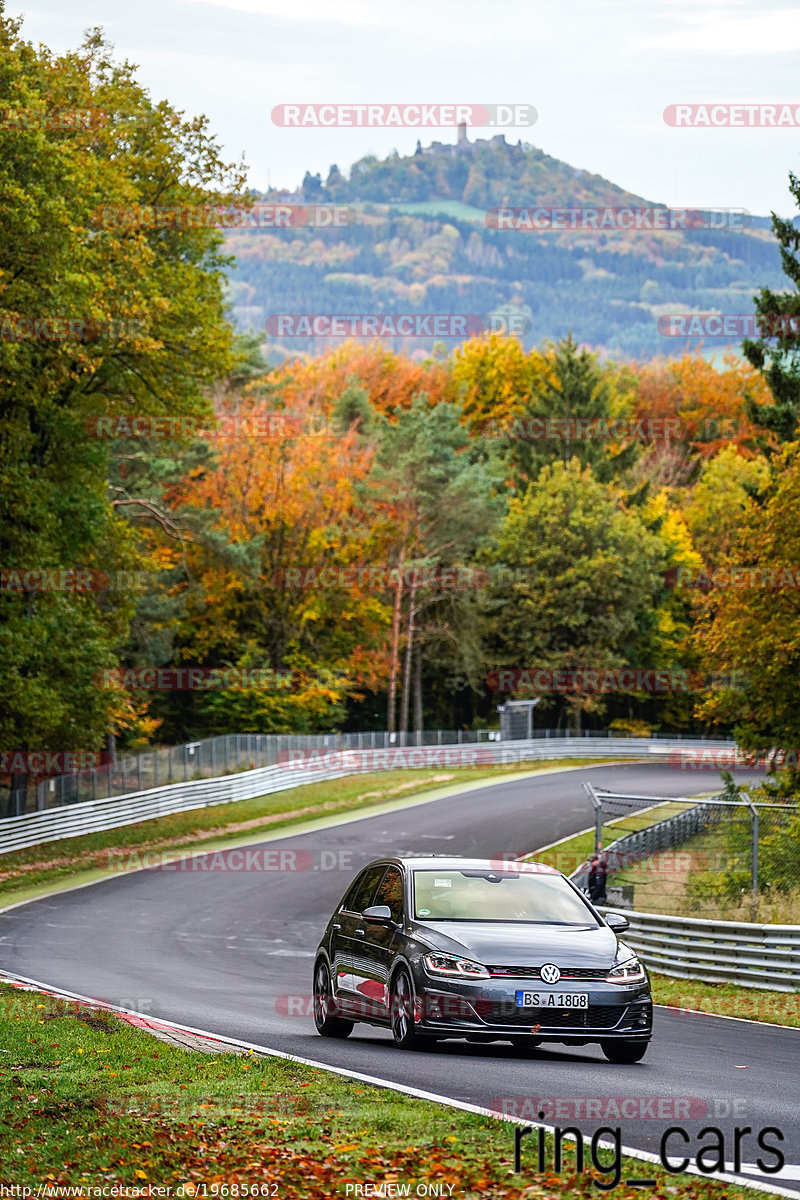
[599, 74]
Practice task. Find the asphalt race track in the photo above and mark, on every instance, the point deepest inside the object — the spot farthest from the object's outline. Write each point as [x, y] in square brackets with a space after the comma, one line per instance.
[230, 951]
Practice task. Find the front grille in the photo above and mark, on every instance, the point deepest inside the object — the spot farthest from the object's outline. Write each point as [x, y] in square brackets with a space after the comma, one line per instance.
[533, 972]
[597, 1016]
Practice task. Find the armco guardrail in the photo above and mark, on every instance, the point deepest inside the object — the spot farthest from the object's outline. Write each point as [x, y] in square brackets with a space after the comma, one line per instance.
[762, 956]
[92, 816]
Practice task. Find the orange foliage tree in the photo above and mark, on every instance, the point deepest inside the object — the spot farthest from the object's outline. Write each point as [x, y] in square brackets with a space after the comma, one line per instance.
[285, 502]
[706, 406]
[390, 380]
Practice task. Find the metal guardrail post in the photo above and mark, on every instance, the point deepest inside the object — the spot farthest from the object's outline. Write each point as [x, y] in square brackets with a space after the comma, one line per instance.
[753, 856]
[598, 815]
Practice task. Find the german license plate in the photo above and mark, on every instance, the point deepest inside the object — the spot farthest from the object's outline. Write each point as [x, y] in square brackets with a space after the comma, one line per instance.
[552, 999]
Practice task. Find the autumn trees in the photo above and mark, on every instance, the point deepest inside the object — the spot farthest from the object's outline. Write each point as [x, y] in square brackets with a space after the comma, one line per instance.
[94, 316]
[586, 570]
[381, 533]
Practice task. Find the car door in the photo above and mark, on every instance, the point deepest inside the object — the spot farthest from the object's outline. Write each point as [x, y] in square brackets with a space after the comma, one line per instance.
[375, 947]
[347, 920]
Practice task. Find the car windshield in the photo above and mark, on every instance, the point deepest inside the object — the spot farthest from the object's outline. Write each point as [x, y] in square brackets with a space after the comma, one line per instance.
[486, 895]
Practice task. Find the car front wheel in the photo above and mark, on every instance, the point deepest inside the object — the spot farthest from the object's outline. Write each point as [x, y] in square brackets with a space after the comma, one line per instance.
[622, 1051]
[325, 1007]
[402, 1013]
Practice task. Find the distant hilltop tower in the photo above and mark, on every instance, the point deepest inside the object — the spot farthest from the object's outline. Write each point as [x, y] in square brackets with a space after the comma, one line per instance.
[462, 134]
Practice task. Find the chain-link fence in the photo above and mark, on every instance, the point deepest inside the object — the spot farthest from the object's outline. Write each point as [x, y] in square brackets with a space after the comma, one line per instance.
[726, 858]
[211, 757]
[207, 759]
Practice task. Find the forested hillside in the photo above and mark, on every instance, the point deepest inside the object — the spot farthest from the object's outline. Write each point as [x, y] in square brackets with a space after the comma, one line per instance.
[416, 240]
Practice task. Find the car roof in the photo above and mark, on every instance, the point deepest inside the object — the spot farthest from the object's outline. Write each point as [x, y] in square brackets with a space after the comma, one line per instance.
[446, 862]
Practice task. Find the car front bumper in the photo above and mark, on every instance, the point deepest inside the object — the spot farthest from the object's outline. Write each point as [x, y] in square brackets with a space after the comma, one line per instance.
[488, 1007]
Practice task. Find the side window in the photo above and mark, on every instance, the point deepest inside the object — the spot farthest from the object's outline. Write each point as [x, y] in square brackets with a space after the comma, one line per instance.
[360, 896]
[391, 892]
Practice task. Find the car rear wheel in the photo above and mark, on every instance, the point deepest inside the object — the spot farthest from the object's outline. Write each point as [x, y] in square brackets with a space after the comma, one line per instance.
[325, 1007]
[402, 1013]
[622, 1051]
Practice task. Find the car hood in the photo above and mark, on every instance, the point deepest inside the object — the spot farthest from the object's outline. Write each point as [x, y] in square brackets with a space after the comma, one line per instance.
[497, 943]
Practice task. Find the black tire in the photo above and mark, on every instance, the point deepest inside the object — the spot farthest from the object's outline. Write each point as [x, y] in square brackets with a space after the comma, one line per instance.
[401, 1001]
[623, 1051]
[325, 1007]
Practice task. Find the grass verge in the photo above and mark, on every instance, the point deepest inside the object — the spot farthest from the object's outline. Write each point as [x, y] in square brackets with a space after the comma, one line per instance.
[664, 883]
[80, 859]
[87, 1101]
[727, 1000]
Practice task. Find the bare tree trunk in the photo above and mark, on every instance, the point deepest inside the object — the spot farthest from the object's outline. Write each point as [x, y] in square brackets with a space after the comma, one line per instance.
[407, 669]
[391, 708]
[418, 689]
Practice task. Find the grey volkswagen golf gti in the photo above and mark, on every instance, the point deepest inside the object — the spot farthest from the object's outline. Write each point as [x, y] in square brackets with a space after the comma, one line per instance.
[468, 948]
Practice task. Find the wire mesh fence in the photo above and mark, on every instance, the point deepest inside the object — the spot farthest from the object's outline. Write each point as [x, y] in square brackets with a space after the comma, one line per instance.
[226, 754]
[725, 858]
[207, 758]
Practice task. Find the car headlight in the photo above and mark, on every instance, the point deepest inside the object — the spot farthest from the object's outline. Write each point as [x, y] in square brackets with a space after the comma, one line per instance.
[458, 968]
[631, 971]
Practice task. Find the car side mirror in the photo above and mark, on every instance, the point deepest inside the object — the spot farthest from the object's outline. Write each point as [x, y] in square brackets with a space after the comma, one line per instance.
[378, 914]
[617, 922]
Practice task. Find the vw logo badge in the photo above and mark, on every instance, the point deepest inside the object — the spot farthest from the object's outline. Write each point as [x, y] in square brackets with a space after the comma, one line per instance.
[550, 973]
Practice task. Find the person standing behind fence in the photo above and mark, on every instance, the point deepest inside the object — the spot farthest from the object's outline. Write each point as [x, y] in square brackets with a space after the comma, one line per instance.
[597, 880]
